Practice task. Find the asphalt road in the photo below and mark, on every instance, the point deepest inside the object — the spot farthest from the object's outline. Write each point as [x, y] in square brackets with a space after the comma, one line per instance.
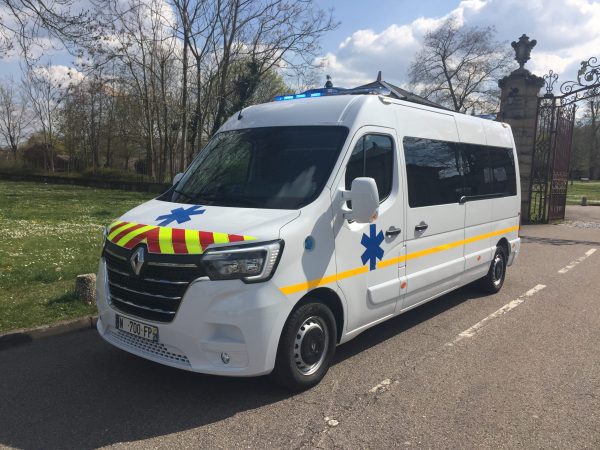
[455, 373]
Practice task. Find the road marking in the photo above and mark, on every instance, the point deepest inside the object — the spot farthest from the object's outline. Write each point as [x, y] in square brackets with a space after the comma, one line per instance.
[470, 332]
[577, 261]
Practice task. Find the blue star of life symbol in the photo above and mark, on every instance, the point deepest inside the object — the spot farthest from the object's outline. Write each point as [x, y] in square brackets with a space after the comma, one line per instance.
[180, 215]
[372, 244]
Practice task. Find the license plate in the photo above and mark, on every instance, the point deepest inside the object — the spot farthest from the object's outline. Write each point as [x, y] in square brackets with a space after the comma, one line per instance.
[137, 328]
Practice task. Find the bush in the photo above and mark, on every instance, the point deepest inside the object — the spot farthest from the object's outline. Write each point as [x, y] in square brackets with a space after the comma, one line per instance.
[111, 175]
[17, 167]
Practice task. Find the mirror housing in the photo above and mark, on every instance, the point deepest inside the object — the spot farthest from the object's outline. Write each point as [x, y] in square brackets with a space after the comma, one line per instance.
[365, 200]
[177, 177]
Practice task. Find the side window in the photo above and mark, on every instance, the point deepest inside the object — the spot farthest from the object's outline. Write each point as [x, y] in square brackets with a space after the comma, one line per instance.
[478, 170]
[503, 170]
[433, 171]
[373, 156]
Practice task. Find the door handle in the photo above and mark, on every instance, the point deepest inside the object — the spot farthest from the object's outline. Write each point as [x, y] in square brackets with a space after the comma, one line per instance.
[421, 227]
[392, 231]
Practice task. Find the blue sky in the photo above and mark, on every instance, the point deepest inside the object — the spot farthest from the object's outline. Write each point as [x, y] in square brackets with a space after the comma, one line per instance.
[377, 14]
[386, 34]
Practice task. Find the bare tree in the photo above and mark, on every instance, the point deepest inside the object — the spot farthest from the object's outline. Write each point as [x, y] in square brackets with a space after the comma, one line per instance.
[45, 94]
[160, 77]
[264, 34]
[13, 116]
[459, 67]
[31, 25]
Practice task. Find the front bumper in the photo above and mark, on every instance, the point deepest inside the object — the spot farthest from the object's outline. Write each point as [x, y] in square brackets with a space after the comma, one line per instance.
[242, 320]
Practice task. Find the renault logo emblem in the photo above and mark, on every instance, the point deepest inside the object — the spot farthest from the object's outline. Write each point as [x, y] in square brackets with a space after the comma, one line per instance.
[137, 260]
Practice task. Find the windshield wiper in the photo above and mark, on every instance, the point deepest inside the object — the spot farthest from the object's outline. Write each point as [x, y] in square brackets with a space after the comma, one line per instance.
[228, 201]
[201, 199]
[194, 199]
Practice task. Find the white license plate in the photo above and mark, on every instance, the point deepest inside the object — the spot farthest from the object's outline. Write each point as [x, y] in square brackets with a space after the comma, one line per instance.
[137, 328]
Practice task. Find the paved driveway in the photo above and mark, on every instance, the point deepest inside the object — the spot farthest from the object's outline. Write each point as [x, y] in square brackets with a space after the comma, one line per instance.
[518, 369]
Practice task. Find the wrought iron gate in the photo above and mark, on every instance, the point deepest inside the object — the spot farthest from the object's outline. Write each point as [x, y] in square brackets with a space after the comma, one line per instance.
[551, 158]
[553, 141]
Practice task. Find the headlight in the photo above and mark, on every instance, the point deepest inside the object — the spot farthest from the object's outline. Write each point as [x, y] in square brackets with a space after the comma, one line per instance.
[249, 263]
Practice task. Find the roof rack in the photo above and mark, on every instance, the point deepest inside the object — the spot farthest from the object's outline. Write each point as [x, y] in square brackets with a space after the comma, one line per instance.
[378, 87]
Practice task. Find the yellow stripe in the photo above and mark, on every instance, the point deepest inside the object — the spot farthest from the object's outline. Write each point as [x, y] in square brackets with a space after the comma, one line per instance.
[114, 224]
[292, 289]
[129, 236]
[165, 241]
[390, 262]
[249, 238]
[192, 241]
[321, 281]
[220, 238]
[122, 227]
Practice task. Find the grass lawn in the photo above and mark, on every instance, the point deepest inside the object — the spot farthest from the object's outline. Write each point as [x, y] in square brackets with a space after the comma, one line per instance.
[589, 189]
[49, 234]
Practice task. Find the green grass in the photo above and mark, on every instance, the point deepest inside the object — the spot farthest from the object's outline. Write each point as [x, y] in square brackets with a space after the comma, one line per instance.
[589, 189]
[49, 234]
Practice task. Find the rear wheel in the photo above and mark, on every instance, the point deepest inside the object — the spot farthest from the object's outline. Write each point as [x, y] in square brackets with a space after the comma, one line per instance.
[494, 279]
[306, 347]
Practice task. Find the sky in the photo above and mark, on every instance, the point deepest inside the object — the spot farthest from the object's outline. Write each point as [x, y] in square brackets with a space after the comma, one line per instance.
[386, 34]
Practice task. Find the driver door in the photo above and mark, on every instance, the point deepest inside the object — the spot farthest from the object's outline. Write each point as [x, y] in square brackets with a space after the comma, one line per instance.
[367, 254]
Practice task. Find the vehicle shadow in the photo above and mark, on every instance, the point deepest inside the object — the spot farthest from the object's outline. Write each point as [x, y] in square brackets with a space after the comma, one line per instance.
[75, 391]
[397, 325]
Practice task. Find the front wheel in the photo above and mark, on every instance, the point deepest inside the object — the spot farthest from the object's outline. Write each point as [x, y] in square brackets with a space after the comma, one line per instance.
[494, 279]
[306, 347]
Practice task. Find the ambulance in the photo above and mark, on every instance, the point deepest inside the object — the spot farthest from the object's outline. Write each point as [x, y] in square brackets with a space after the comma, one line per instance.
[304, 222]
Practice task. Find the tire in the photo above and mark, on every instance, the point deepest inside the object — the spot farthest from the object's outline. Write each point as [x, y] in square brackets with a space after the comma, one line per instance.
[306, 347]
[494, 279]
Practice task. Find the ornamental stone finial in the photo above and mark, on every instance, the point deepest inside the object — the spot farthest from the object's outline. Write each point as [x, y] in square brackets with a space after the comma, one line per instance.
[523, 49]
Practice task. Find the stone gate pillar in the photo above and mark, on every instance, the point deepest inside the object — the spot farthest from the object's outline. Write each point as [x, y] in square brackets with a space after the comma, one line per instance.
[518, 108]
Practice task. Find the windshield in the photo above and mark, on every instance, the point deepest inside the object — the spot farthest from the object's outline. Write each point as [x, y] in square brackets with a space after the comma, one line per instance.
[274, 167]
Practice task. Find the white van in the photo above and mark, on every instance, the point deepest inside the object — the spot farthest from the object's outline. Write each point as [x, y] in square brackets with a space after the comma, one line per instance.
[301, 224]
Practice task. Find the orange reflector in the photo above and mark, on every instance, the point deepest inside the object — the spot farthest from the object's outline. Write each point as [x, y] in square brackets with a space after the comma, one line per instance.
[479, 258]
[403, 284]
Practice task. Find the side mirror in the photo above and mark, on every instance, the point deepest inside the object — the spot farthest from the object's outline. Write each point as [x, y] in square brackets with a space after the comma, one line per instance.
[177, 177]
[365, 200]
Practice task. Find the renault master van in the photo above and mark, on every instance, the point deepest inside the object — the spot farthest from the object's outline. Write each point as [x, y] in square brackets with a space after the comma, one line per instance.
[301, 224]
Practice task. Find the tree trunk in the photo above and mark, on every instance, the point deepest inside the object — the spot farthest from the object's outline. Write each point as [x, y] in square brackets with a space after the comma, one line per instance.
[184, 93]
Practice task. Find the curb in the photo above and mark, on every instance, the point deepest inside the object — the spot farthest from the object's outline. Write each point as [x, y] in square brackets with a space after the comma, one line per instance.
[25, 335]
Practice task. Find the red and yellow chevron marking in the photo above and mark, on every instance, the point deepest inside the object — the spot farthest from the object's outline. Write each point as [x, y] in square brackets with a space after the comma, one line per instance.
[165, 240]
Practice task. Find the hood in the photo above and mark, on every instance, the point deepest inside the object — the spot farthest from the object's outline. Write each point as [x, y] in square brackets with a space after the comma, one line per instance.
[173, 228]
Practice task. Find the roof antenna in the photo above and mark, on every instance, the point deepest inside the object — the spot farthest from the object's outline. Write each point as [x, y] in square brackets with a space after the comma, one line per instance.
[240, 114]
[329, 83]
[379, 76]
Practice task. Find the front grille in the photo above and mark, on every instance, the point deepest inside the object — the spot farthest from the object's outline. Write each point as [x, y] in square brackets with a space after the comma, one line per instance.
[156, 293]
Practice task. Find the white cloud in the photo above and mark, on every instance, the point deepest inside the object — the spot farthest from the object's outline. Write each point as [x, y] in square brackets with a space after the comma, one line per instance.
[567, 32]
[59, 75]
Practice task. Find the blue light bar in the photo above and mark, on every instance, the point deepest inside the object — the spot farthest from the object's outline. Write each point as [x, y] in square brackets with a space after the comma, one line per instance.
[280, 98]
[312, 93]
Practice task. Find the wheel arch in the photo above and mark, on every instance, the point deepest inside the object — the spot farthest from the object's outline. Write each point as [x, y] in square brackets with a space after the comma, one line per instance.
[503, 242]
[332, 300]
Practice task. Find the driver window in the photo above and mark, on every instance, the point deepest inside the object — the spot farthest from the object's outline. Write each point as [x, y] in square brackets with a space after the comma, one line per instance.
[373, 156]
